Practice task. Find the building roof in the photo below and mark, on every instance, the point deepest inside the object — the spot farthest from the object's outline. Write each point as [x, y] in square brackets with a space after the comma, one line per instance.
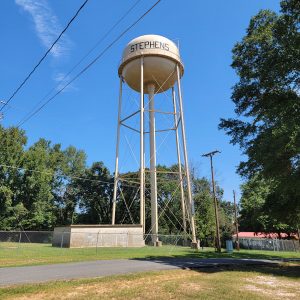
[264, 235]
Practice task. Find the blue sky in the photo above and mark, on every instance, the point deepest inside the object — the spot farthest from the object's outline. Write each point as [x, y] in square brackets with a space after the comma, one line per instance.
[85, 114]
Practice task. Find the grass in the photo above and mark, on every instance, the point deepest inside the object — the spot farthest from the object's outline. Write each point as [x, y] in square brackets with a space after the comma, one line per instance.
[259, 282]
[11, 254]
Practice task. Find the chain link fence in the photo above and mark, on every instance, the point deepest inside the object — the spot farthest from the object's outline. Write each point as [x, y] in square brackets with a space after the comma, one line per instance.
[36, 247]
[67, 239]
[28, 240]
[43, 237]
[38, 243]
[121, 239]
[169, 240]
[269, 244]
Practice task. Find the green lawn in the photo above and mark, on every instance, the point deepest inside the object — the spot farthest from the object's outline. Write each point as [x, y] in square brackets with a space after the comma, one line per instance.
[13, 254]
[255, 283]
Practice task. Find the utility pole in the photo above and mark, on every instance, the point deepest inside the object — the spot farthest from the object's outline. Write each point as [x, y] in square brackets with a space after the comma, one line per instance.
[236, 223]
[210, 155]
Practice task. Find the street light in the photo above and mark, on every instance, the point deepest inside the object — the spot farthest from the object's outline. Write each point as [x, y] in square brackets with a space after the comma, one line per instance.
[210, 155]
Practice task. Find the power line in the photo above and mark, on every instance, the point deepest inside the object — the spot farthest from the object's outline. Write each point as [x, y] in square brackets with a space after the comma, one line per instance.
[52, 174]
[62, 175]
[65, 175]
[74, 176]
[89, 65]
[104, 36]
[86, 55]
[45, 55]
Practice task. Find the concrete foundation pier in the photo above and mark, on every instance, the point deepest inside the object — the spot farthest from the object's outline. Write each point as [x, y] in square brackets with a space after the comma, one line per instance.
[76, 236]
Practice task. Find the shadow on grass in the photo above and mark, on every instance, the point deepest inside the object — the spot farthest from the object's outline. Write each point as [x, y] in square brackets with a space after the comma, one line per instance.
[212, 265]
[237, 255]
[290, 271]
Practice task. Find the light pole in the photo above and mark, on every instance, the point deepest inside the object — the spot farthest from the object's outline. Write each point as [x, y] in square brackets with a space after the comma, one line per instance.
[236, 223]
[210, 155]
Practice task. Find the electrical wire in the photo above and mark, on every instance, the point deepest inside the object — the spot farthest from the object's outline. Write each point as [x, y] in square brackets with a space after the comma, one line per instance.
[102, 183]
[89, 65]
[133, 183]
[83, 58]
[45, 55]
[52, 174]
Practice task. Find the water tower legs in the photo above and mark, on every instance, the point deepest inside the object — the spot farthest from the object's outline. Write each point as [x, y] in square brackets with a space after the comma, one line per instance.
[142, 152]
[179, 161]
[153, 176]
[117, 156]
[186, 163]
[186, 200]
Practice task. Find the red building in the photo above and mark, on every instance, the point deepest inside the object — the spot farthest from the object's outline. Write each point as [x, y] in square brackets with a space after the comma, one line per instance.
[264, 235]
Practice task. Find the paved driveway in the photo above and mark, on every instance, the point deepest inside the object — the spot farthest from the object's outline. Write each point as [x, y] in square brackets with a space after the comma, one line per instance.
[99, 268]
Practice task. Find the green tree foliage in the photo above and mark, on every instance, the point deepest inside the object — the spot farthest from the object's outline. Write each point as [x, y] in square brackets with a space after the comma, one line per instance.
[169, 204]
[168, 198]
[35, 183]
[253, 215]
[43, 186]
[67, 191]
[36, 190]
[12, 142]
[267, 102]
[95, 195]
[128, 206]
[226, 219]
[205, 212]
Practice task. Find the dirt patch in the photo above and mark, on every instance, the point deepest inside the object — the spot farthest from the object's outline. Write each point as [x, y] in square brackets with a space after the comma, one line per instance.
[104, 289]
[273, 287]
[192, 286]
[273, 282]
[272, 294]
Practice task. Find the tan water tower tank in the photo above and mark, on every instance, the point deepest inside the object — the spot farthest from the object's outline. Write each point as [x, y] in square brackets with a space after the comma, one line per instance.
[160, 55]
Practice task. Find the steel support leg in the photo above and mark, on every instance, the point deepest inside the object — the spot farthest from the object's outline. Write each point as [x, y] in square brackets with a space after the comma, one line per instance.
[186, 162]
[153, 177]
[113, 219]
[142, 163]
[179, 161]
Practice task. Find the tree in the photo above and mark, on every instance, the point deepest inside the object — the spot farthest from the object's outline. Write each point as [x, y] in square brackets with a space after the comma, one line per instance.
[226, 219]
[72, 168]
[38, 180]
[254, 214]
[12, 142]
[267, 102]
[44, 186]
[168, 200]
[128, 196]
[95, 195]
[204, 211]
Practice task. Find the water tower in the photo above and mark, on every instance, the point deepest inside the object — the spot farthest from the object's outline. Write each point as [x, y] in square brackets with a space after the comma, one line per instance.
[151, 64]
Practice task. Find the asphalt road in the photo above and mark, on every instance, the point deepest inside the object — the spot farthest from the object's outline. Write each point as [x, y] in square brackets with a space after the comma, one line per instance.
[100, 268]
